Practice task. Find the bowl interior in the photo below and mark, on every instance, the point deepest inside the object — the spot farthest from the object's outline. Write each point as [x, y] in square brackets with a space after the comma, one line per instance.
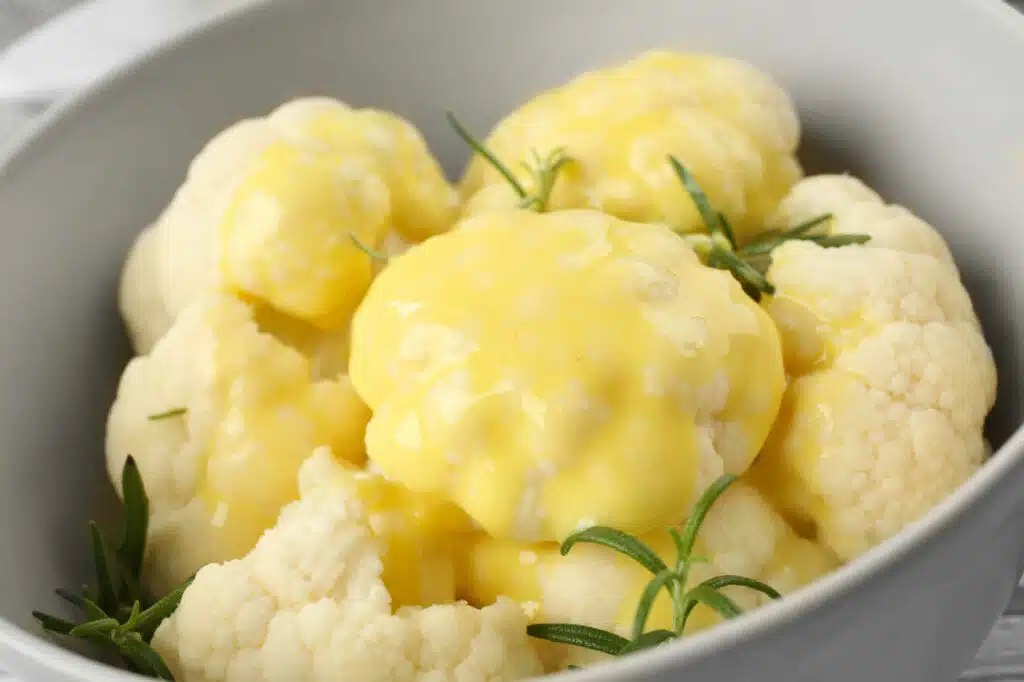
[879, 90]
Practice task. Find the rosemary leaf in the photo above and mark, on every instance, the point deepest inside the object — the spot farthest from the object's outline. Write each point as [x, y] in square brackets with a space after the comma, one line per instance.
[100, 626]
[837, 240]
[174, 412]
[688, 536]
[808, 225]
[583, 636]
[53, 623]
[635, 549]
[486, 154]
[727, 580]
[132, 549]
[648, 640]
[545, 173]
[727, 230]
[132, 619]
[107, 600]
[677, 539]
[150, 619]
[746, 273]
[374, 255]
[662, 580]
[702, 594]
[144, 658]
[71, 598]
[92, 610]
[767, 246]
[700, 199]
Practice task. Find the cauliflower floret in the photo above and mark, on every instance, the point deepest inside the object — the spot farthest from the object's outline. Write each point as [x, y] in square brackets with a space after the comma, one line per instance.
[287, 235]
[729, 123]
[219, 416]
[595, 586]
[892, 378]
[266, 212]
[308, 603]
[544, 371]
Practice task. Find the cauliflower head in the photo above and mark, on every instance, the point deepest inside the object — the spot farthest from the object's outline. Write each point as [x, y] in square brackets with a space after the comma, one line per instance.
[730, 124]
[891, 378]
[219, 416]
[595, 586]
[309, 603]
[268, 211]
[501, 364]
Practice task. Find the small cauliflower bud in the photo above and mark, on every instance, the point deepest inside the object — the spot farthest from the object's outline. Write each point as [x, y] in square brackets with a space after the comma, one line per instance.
[219, 416]
[891, 377]
[287, 238]
[309, 603]
[729, 123]
[596, 586]
[567, 369]
[423, 202]
[277, 200]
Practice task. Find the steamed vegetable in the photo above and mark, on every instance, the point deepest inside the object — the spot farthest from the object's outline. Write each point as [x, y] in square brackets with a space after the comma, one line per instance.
[219, 416]
[264, 213]
[891, 376]
[309, 603]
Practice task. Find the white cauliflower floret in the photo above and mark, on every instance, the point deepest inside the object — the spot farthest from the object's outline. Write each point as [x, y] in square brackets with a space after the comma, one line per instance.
[308, 603]
[891, 376]
[219, 417]
[268, 211]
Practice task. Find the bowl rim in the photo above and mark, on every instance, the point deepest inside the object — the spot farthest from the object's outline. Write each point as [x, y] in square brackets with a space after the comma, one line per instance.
[842, 582]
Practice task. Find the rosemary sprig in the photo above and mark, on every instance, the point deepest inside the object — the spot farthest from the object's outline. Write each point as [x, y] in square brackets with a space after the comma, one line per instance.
[749, 263]
[672, 579]
[543, 170]
[118, 615]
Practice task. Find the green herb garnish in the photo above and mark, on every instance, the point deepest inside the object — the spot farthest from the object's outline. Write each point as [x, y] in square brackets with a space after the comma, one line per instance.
[118, 616]
[672, 579]
[175, 412]
[372, 253]
[543, 170]
[749, 263]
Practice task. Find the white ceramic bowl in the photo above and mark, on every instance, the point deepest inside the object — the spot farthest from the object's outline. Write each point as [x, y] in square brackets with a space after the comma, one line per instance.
[921, 97]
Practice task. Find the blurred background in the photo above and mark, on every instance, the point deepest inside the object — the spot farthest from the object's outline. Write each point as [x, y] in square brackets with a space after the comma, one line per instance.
[50, 48]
